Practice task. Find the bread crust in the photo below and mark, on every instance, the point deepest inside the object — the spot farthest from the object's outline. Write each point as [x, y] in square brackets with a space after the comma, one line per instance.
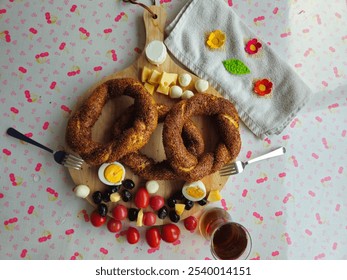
[188, 166]
[79, 127]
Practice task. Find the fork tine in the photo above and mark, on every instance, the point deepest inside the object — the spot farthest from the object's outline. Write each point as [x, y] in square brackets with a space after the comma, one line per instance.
[72, 166]
[228, 167]
[75, 157]
[226, 172]
[74, 162]
[231, 169]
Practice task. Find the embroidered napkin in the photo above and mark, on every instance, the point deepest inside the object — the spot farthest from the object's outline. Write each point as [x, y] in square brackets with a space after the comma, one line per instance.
[212, 41]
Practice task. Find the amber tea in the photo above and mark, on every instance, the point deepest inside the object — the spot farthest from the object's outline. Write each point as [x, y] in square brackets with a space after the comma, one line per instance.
[229, 240]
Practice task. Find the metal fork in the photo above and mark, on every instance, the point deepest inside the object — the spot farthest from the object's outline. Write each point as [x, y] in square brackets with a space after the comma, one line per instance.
[61, 157]
[238, 166]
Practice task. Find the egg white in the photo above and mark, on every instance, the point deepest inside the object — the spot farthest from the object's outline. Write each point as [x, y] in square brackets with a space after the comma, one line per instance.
[101, 172]
[198, 184]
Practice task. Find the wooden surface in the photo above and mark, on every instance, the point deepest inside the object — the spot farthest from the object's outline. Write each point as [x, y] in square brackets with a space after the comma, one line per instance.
[88, 175]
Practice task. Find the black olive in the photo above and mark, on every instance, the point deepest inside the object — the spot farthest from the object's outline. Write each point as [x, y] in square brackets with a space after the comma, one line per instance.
[171, 202]
[126, 195]
[102, 209]
[128, 184]
[97, 197]
[132, 214]
[203, 201]
[114, 189]
[178, 195]
[106, 196]
[189, 204]
[162, 212]
[174, 217]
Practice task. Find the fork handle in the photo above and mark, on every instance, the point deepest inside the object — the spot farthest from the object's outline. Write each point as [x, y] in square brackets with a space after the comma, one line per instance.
[16, 134]
[274, 153]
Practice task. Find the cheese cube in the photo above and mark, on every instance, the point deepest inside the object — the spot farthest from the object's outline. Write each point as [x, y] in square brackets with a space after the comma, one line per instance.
[168, 79]
[150, 88]
[163, 89]
[115, 197]
[214, 195]
[155, 77]
[179, 208]
[146, 74]
[139, 220]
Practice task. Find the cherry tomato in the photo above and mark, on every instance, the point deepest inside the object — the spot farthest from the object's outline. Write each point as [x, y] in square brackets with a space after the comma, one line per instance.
[149, 218]
[190, 223]
[96, 219]
[114, 225]
[120, 212]
[133, 235]
[156, 202]
[141, 198]
[153, 237]
[170, 233]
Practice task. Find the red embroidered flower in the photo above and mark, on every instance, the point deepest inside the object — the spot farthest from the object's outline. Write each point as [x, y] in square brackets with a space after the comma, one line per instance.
[262, 87]
[253, 46]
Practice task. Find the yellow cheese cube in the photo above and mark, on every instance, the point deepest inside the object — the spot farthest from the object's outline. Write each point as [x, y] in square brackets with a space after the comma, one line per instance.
[214, 195]
[114, 197]
[179, 208]
[150, 88]
[146, 74]
[155, 77]
[139, 221]
[168, 79]
[163, 89]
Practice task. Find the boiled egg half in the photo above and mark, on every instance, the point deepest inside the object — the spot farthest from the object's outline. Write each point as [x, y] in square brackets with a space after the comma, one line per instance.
[111, 173]
[194, 191]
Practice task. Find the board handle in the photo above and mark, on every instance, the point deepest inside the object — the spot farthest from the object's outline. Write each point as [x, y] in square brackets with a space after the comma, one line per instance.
[155, 25]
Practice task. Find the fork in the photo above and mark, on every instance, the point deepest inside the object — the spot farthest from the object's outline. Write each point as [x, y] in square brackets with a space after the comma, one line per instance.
[238, 166]
[61, 157]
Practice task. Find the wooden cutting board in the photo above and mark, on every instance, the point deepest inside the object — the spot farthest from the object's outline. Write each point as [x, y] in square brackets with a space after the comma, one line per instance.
[88, 175]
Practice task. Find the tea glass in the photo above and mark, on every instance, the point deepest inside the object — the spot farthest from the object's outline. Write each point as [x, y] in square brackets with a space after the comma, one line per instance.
[228, 240]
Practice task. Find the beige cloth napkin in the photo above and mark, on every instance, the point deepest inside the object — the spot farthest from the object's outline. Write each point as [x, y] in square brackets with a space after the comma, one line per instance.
[187, 40]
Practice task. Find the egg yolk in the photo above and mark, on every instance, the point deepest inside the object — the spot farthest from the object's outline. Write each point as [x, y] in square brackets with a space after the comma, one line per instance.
[113, 173]
[195, 191]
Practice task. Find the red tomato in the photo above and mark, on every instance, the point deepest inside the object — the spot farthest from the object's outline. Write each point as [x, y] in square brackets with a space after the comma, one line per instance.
[133, 235]
[141, 198]
[149, 218]
[114, 225]
[96, 219]
[190, 223]
[170, 233]
[153, 237]
[156, 202]
[120, 212]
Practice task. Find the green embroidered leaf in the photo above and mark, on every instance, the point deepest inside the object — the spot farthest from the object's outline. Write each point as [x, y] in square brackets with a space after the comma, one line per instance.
[236, 67]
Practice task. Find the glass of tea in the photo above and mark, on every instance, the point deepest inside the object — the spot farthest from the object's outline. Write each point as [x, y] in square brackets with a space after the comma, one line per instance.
[229, 240]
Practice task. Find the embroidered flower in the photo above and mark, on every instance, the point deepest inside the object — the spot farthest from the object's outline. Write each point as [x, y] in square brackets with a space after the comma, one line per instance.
[263, 87]
[216, 39]
[253, 46]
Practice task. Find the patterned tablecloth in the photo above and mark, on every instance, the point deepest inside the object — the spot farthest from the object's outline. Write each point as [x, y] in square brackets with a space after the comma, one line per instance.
[51, 52]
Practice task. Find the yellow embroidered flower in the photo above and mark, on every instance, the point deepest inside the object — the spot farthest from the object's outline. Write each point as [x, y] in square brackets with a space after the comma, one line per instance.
[216, 39]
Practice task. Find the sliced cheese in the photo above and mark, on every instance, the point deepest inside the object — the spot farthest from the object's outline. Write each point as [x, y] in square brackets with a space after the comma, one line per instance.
[115, 197]
[155, 77]
[139, 221]
[179, 208]
[163, 89]
[150, 88]
[168, 79]
[146, 74]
